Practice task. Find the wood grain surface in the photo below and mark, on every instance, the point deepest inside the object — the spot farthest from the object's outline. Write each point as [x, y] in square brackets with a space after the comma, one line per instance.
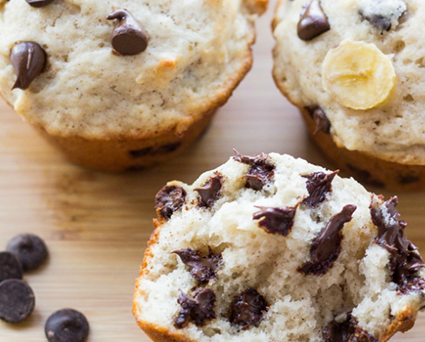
[97, 225]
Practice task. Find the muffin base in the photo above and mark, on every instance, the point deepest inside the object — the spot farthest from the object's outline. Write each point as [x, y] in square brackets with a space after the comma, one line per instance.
[366, 168]
[117, 155]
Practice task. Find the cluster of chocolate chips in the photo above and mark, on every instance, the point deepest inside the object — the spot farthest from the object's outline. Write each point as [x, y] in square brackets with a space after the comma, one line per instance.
[247, 308]
[27, 252]
[29, 59]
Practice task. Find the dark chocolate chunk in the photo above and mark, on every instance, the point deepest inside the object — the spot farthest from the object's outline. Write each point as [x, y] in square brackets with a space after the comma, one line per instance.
[405, 262]
[248, 309]
[378, 21]
[313, 21]
[276, 220]
[17, 301]
[29, 249]
[29, 60]
[347, 331]
[201, 268]
[318, 185]
[326, 247]
[39, 3]
[170, 199]
[260, 173]
[128, 37]
[322, 122]
[197, 309]
[10, 267]
[209, 193]
[67, 325]
[155, 150]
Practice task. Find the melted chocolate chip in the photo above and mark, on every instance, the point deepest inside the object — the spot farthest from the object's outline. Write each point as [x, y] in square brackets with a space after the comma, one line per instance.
[155, 150]
[260, 173]
[170, 199]
[318, 185]
[197, 309]
[405, 262]
[202, 269]
[322, 122]
[29, 249]
[17, 301]
[209, 193]
[276, 220]
[347, 331]
[10, 267]
[378, 21]
[39, 3]
[67, 325]
[29, 60]
[128, 37]
[326, 247]
[248, 309]
[313, 21]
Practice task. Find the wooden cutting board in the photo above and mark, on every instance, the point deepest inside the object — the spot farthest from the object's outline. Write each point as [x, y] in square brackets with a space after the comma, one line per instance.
[97, 225]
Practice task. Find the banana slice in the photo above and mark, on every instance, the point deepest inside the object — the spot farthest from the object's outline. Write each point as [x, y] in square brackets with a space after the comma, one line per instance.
[358, 75]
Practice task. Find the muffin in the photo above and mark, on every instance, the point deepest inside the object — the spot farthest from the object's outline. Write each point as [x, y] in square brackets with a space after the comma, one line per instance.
[271, 248]
[123, 84]
[355, 69]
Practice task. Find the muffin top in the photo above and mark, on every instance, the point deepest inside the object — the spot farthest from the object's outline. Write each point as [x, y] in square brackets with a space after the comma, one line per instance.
[363, 63]
[197, 51]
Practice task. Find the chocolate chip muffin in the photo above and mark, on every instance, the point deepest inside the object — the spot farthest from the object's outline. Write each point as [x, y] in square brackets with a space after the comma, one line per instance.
[123, 84]
[355, 69]
[271, 248]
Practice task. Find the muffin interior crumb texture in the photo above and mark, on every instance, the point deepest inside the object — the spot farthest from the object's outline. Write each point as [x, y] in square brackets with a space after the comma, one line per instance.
[303, 255]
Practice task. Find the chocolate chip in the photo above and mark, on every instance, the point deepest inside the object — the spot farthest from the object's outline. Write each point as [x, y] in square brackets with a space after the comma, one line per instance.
[326, 247]
[29, 249]
[276, 220]
[346, 331]
[128, 36]
[405, 262]
[29, 60]
[39, 3]
[377, 14]
[365, 176]
[17, 301]
[378, 21]
[197, 309]
[170, 199]
[155, 150]
[318, 185]
[201, 268]
[261, 171]
[67, 325]
[408, 178]
[248, 309]
[313, 21]
[209, 193]
[10, 267]
[322, 122]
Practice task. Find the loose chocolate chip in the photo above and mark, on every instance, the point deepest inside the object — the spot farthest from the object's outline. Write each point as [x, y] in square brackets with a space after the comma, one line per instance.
[313, 21]
[197, 309]
[10, 267]
[29, 60]
[29, 249]
[39, 3]
[346, 331]
[322, 122]
[155, 150]
[67, 325]
[260, 173]
[170, 199]
[405, 262]
[17, 301]
[209, 193]
[318, 185]
[248, 309]
[276, 220]
[128, 36]
[326, 247]
[201, 268]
